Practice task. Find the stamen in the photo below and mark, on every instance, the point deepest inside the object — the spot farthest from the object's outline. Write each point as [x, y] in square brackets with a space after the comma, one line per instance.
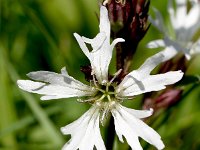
[105, 113]
[101, 98]
[115, 75]
[100, 90]
[96, 99]
[111, 93]
[90, 83]
[127, 97]
[87, 100]
[104, 82]
[109, 99]
[107, 87]
[93, 77]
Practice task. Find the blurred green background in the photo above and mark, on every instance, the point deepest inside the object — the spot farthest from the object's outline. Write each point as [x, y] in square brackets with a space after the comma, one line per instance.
[38, 35]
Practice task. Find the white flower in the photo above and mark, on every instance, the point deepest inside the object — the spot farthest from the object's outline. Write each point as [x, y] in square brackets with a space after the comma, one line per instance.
[104, 95]
[185, 24]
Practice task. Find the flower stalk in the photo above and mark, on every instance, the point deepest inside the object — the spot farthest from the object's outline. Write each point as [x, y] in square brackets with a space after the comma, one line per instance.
[110, 134]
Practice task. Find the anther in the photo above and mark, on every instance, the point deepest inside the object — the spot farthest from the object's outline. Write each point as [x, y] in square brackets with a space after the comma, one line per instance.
[93, 77]
[127, 97]
[105, 113]
[115, 75]
[87, 100]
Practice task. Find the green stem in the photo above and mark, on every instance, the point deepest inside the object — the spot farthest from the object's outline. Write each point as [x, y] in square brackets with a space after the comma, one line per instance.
[110, 134]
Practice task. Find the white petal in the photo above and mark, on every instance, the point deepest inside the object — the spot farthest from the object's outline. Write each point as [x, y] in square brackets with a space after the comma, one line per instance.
[194, 2]
[99, 58]
[128, 125]
[104, 25]
[82, 45]
[123, 129]
[158, 21]
[174, 47]
[193, 16]
[64, 72]
[195, 48]
[181, 12]
[85, 132]
[101, 53]
[137, 80]
[57, 79]
[146, 68]
[156, 44]
[171, 48]
[97, 42]
[139, 113]
[172, 14]
[132, 86]
[192, 22]
[116, 41]
[52, 91]
[56, 86]
[184, 23]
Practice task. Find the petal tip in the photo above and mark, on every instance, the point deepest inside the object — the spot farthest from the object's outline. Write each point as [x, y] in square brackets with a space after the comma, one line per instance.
[20, 83]
[161, 146]
[151, 110]
[76, 34]
[62, 129]
[181, 73]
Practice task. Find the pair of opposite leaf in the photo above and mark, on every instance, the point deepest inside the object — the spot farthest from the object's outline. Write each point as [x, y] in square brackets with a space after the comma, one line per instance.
[104, 95]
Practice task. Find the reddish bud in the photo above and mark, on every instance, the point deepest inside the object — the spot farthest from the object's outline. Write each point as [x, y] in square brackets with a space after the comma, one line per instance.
[128, 21]
[174, 64]
[164, 100]
[168, 98]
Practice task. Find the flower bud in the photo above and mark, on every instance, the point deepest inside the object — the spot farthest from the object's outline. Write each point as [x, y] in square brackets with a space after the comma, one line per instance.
[164, 100]
[120, 14]
[178, 63]
[128, 21]
[168, 98]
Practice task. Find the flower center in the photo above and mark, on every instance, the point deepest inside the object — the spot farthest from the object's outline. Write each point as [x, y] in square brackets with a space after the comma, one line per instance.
[105, 97]
[106, 93]
[106, 100]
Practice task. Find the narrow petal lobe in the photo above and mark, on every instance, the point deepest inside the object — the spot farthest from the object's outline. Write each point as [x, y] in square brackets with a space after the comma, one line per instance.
[85, 132]
[128, 125]
[54, 85]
